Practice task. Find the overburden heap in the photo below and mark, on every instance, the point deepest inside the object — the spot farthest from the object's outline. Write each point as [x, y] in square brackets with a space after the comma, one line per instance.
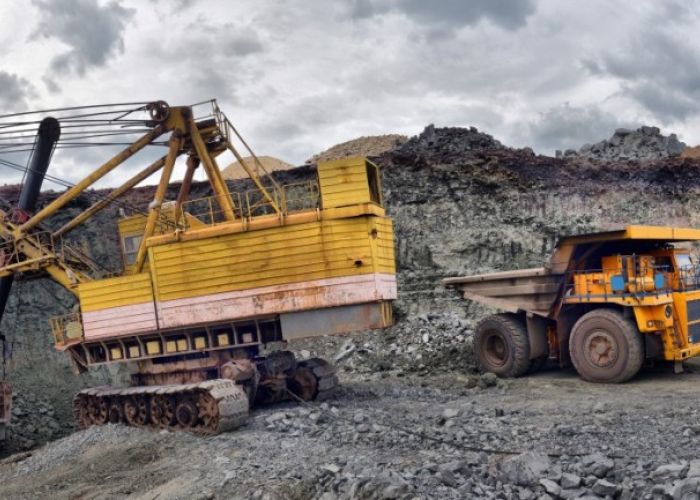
[645, 143]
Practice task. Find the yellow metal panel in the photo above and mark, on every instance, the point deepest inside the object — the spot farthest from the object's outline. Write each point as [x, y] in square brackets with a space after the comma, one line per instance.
[274, 256]
[343, 182]
[200, 342]
[134, 351]
[115, 353]
[153, 347]
[114, 292]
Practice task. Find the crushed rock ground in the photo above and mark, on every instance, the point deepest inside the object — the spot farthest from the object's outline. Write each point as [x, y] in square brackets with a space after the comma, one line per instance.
[550, 435]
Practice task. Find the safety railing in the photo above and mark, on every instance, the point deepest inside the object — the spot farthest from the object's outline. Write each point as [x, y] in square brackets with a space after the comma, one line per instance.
[296, 197]
[66, 328]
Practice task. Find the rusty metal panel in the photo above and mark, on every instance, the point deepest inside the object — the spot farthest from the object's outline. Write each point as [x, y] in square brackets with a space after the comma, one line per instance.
[278, 299]
[123, 320]
[333, 320]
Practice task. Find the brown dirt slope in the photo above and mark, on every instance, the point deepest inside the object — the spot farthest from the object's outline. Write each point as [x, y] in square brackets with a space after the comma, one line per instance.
[691, 152]
[362, 146]
[270, 163]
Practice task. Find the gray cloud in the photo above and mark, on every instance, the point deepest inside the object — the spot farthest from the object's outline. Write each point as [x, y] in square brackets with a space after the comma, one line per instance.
[449, 14]
[364, 9]
[508, 14]
[92, 31]
[241, 42]
[570, 127]
[14, 91]
[214, 62]
[659, 70]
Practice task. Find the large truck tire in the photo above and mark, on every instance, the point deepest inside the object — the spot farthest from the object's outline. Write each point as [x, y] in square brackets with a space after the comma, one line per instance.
[606, 347]
[501, 345]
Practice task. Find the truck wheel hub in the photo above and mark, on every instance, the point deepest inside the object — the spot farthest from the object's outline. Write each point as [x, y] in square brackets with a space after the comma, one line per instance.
[601, 349]
[496, 350]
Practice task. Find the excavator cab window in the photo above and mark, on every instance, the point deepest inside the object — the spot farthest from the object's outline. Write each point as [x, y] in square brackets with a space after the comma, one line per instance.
[375, 191]
[664, 263]
[131, 248]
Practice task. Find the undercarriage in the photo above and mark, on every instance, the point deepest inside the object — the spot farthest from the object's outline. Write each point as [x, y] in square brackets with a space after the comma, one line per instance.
[214, 399]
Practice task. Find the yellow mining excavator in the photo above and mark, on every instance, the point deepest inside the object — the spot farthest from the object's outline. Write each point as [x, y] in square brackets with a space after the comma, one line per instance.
[208, 283]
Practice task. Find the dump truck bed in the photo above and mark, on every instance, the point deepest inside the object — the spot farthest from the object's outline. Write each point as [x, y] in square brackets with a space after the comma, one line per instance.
[531, 290]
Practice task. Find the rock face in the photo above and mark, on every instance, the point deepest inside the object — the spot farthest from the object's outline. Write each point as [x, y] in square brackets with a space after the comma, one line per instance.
[34, 421]
[645, 143]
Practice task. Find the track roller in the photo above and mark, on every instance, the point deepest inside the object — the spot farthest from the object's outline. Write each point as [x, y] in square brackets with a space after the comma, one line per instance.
[314, 380]
[207, 407]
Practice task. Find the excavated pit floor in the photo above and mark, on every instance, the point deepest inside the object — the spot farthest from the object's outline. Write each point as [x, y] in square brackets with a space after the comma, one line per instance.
[388, 437]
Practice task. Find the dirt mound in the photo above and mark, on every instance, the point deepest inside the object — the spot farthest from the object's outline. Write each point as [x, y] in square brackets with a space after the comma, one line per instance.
[645, 143]
[691, 152]
[372, 145]
[270, 163]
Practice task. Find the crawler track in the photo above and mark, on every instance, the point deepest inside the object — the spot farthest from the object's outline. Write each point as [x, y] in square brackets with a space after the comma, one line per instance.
[204, 408]
[326, 379]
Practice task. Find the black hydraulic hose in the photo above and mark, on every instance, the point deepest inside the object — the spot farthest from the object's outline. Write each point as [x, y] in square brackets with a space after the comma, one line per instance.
[47, 137]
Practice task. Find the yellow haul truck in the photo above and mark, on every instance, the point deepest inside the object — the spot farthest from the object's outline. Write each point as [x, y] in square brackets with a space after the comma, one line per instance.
[606, 302]
[207, 283]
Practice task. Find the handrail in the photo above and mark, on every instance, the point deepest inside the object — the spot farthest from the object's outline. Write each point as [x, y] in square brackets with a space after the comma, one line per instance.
[294, 197]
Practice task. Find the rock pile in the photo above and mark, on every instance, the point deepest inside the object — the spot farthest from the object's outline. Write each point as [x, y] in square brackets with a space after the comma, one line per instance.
[446, 144]
[645, 143]
[421, 344]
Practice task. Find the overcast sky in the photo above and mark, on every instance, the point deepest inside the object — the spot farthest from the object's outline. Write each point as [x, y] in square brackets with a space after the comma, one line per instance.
[299, 76]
